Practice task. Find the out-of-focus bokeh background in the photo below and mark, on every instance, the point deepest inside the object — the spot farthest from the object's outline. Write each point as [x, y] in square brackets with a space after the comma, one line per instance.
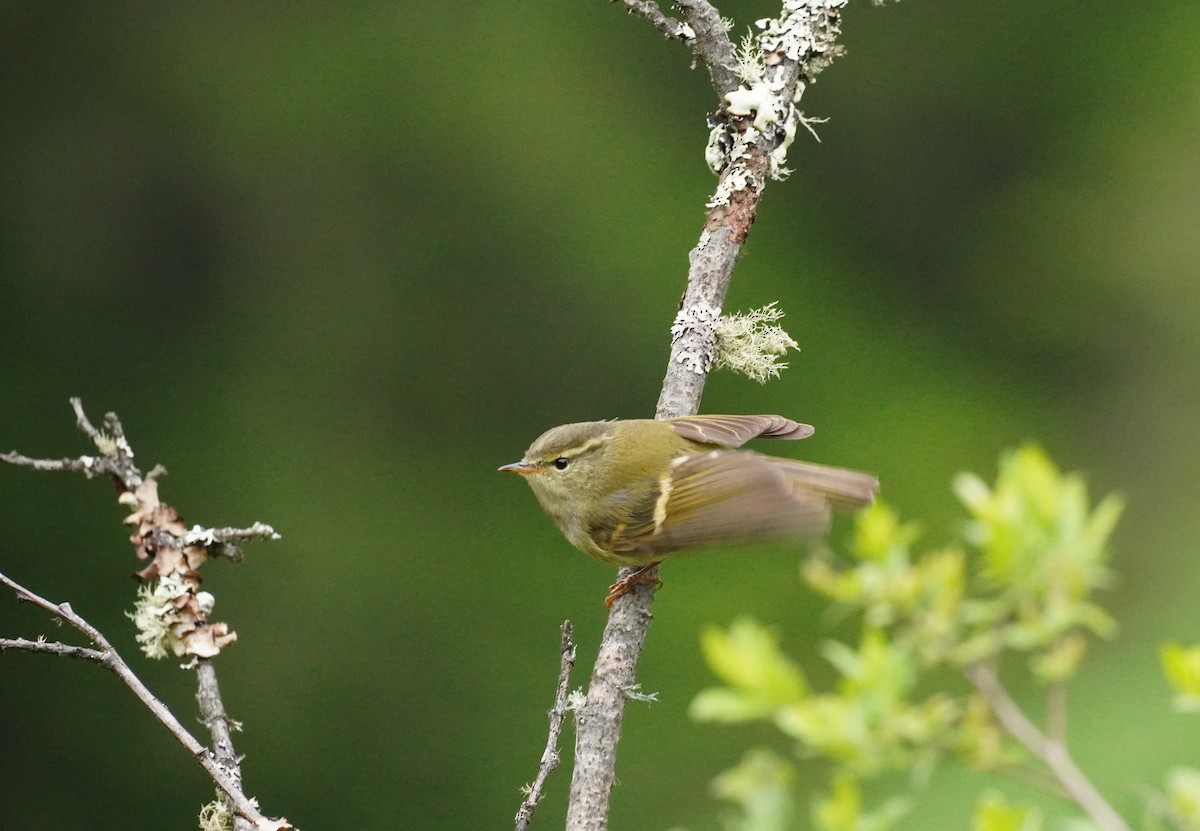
[333, 264]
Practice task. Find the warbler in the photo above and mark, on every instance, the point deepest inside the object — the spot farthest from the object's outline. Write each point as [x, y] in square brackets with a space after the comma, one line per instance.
[629, 493]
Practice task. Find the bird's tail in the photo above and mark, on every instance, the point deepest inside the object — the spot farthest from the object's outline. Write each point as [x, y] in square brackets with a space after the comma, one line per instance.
[843, 488]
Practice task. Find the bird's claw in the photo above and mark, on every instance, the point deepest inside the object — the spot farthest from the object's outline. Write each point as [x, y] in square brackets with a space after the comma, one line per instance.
[644, 576]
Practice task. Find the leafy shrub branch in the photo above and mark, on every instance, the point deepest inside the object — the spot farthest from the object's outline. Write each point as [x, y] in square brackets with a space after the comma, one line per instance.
[1015, 588]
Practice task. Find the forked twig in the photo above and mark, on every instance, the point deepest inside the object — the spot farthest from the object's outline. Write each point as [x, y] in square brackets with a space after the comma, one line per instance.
[1050, 751]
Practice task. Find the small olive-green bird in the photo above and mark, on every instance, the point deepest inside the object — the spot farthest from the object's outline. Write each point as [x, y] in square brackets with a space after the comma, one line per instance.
[631, 492]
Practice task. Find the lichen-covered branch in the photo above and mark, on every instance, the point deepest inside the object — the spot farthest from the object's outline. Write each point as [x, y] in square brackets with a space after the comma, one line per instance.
[671, 28]
[172, 611]
[220, 728]
[752, 131]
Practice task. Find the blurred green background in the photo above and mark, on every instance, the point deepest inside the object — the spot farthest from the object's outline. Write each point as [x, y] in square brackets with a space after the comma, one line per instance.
[333, 264]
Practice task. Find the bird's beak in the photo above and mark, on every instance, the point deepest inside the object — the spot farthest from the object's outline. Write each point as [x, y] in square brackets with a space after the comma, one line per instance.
[518, 467]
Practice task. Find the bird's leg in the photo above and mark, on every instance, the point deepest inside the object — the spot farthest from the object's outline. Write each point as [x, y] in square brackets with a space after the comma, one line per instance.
[644, 576]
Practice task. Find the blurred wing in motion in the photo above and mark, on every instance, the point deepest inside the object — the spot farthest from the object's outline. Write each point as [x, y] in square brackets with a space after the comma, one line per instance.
[758, 498]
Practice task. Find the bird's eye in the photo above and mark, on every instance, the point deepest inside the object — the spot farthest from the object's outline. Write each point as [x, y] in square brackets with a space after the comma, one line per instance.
[561, 463]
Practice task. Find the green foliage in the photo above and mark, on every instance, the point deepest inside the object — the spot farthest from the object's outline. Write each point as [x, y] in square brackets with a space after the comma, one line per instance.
[1182, 667]
[1183, 795]
[842, 809]
[761, 787]
[1178, 808]
[994, 813]
[760, 678]
[1019, 578]
[1042, 553]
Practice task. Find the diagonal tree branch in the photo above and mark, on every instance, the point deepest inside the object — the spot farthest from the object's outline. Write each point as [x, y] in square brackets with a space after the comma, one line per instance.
[750, 138]
[108, 657]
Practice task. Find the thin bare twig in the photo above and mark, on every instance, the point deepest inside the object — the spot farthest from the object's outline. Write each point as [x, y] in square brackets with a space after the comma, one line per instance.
[220, 727]
[62, 650]
[1035, 777]
[110, 659]
[115, 459]
[1056, 712]
[800, 46]
[1051, 752]
[550, 757]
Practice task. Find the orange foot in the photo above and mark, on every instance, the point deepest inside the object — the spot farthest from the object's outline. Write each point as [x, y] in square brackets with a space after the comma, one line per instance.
[644, 576]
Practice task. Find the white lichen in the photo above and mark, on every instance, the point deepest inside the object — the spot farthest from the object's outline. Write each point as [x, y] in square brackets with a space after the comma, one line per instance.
[205, 601]
[802, 33]
[779, 171]
[760, 100]
[749, 67]
[751, 343]
[201, 536]
[576, 700]
[736, 181]
[693, 337]
[716, 156]
[154, 615]
[809, 121]
[215, 816]
[105, 443]
[634, 693]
